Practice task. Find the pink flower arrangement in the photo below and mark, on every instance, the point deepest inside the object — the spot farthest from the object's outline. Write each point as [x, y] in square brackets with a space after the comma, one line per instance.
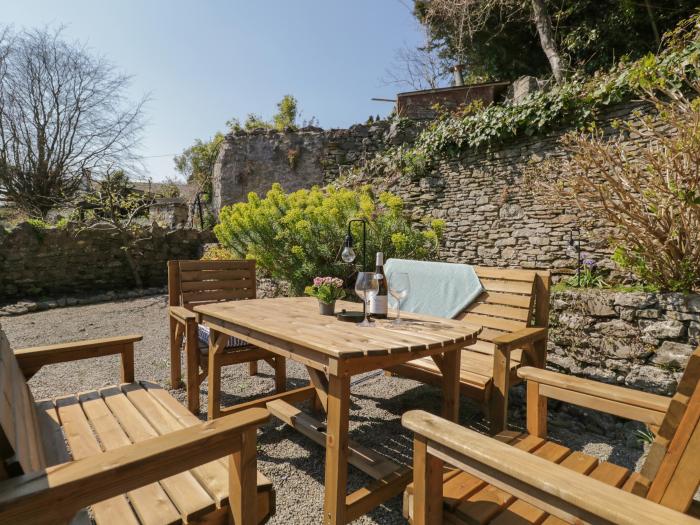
[326, 289]
[333, 281]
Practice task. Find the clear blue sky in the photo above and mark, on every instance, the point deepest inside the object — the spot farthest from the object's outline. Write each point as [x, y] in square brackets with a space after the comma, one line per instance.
[205, 61]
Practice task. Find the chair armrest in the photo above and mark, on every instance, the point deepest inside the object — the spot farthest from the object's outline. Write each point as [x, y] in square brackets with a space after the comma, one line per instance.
[520, 338]
[549, 486]
[624, 402]
[32, 359]
[181, 313]
[60, 491]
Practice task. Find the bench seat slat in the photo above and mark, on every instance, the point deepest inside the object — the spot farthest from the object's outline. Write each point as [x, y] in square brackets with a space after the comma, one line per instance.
[151, 503]
[83, 443]
[213, 477]
[183, 489]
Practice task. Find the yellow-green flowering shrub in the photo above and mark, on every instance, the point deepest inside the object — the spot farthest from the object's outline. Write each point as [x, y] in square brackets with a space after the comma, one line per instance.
[298, 236]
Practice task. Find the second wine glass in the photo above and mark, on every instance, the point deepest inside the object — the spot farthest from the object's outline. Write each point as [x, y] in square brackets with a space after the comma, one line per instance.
[399, 286]
[366, 287]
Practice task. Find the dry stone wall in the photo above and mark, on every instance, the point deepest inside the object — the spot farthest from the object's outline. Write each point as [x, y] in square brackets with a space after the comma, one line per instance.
[254, 160]
[36, 262]
[641, 340]
[491, 216]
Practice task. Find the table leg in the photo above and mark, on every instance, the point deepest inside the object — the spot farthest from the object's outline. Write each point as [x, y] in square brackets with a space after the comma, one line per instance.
[336, 476]
[450, 384]
[217, 342]
[175, 360]
[192, 359]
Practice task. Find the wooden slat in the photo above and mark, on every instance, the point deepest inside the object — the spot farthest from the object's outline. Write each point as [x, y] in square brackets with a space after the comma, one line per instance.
[512, 287]
[219, 275]
[183, 489]
[522, 513]
[217, 285]
[222, 295]
[150, 502]
[574, 384]
[506, 299]
[507, 274]
[608, 473]
[17, 413]
[485, 504]
[213, 476]
[367, 460]
[54, 444]
[498, 310]
[83, 444]
[505, 325]
[217, 265]
[187, 419]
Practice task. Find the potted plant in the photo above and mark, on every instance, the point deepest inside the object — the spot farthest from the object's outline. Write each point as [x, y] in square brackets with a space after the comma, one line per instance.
[327, 290]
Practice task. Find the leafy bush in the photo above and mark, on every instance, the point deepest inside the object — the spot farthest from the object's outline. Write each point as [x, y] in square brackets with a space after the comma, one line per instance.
[299, 235]
[650, 195]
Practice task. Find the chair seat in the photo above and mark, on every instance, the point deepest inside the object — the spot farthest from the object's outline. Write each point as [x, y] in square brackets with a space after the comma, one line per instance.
[469, 500]
[117, 416]
[476, 368]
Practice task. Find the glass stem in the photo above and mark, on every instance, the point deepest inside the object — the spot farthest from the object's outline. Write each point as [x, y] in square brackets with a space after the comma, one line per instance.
[398, 309]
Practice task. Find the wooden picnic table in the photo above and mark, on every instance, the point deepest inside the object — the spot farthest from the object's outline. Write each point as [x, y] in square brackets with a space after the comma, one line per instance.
[333, 351]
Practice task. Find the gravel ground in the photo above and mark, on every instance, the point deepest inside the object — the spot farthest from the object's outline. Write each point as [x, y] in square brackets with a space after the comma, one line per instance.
[293, 463]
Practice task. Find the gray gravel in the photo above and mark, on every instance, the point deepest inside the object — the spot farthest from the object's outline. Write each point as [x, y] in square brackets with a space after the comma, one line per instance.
[293, 463]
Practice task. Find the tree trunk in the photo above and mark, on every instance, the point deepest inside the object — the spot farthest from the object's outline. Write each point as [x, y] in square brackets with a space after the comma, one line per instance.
[549, 45]
[650, 14]
[133, 265]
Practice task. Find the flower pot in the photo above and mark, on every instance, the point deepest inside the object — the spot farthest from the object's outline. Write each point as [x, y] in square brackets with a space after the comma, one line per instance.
[326, 308]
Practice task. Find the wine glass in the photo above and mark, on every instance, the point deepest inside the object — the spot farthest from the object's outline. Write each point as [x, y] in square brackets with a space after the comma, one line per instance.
[366, 287]
[399, 286]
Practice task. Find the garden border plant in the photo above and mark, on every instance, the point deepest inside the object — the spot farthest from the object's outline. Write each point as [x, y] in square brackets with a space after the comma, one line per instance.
[297, 236]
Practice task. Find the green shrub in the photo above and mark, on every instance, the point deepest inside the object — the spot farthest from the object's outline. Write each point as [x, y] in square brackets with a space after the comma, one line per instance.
[298, 236]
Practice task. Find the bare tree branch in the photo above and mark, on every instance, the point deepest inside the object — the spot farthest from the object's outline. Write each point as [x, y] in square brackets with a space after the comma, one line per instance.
[63, 114]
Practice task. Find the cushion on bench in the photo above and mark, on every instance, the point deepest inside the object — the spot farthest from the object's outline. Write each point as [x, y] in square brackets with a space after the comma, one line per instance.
[203, 336]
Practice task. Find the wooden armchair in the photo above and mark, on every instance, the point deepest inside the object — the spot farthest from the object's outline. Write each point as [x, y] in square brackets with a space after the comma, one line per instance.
[131, 452]
[520, 478]
[193, 283]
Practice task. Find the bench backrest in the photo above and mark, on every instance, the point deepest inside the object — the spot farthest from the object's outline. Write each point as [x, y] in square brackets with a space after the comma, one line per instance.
[21, 449]
[673, 463]
[513, 299]
[191, 283]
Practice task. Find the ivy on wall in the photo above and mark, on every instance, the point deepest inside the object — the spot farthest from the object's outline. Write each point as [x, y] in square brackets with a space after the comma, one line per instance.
[576, 103]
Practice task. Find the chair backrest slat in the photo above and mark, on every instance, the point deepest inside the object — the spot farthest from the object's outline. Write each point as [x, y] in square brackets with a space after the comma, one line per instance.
[673, 462]
[513, 299]
[191, 283]
[21, 449]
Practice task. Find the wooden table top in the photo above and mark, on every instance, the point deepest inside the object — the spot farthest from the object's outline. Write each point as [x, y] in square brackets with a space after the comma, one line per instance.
[297, 320]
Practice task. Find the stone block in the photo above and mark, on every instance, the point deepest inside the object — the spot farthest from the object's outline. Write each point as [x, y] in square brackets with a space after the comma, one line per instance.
[617, 328]
[672, 354]
[599, 305]
[636, 300]
[670, 329]
[652, 379]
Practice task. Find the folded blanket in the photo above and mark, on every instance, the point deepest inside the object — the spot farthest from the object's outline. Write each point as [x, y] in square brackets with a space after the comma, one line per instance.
[439, 289]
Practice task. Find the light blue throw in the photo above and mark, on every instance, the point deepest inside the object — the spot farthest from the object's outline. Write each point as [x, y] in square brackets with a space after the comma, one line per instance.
[436, 288]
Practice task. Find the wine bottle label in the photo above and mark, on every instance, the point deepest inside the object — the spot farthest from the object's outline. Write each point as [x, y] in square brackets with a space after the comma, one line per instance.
[378, 304]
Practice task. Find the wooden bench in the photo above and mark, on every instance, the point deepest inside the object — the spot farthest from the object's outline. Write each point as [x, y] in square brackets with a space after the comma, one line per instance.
[514, 314]
[131, 452]
[193, 283]
[521, 478]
